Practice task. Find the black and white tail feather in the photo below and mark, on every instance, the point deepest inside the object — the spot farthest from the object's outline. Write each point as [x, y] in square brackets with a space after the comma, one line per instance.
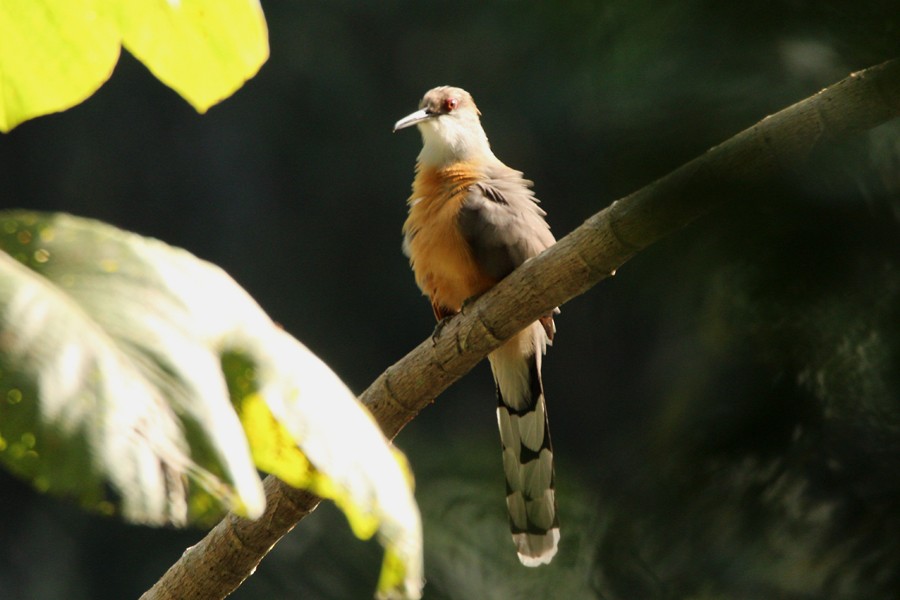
[525, 439]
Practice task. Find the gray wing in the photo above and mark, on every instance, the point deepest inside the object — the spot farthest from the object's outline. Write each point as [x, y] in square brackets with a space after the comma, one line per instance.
[503, 224]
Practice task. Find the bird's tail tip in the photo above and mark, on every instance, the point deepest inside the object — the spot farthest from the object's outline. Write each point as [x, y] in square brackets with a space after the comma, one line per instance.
[536, 549]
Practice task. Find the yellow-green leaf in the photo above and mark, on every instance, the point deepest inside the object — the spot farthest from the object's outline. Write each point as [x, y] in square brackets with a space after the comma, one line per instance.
[53, 55]
[56, 53]
[275, 451]
[304, 426]
[203, 49]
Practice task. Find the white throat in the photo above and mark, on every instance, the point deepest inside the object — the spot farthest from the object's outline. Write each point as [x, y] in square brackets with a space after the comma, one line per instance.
[448, 140]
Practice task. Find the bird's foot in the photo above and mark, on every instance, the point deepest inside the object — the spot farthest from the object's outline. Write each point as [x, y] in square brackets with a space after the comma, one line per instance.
[440, 327]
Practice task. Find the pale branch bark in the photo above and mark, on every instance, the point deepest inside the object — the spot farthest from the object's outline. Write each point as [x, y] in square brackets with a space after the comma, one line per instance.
[220, 562]
[217, 565]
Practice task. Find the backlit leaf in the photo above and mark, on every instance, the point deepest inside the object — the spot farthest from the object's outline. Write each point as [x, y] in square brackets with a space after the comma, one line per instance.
[53, 55]
[203, 49]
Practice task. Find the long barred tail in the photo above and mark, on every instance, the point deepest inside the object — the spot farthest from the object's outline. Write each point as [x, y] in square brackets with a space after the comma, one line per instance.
[527, 451]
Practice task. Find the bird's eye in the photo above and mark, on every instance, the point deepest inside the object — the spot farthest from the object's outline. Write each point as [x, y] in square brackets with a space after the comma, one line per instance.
[450, 104]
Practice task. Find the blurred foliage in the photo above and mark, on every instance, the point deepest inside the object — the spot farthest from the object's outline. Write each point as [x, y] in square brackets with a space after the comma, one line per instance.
[108, 396]
[144, 382]
[204, 50]
[724, 410]
[56, 53]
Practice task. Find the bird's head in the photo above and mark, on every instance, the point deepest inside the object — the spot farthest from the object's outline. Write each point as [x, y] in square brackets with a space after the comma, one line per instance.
[450, 126]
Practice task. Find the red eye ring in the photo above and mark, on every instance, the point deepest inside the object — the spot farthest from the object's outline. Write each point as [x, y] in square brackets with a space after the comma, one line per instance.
[450, 104]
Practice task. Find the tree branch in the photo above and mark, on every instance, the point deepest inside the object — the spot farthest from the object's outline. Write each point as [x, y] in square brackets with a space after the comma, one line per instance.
[217, 565]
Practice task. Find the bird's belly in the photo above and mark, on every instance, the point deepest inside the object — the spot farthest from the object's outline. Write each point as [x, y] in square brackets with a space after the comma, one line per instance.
[443, 264]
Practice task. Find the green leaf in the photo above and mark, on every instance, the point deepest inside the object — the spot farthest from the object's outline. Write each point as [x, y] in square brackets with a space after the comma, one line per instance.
[203, 49]
[120, 360]
[53, 55]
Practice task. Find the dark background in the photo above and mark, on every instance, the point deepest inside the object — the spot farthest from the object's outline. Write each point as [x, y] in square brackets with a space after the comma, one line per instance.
[725, 411]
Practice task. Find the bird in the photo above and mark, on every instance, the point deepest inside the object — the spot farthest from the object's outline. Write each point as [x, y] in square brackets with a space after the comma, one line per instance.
[471, 221]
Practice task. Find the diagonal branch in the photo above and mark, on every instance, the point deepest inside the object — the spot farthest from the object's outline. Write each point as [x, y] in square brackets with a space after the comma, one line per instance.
[230, 552]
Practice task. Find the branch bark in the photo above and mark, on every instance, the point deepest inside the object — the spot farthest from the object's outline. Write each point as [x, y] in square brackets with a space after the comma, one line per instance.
[229, 554]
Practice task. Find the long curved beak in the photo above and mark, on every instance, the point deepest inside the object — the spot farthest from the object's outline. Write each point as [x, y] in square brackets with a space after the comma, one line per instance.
[409, 120]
